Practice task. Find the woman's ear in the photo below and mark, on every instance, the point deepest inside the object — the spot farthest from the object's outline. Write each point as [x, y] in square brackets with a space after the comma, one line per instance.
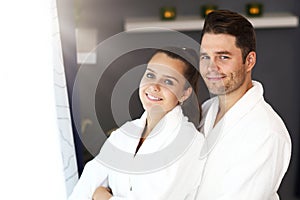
[186, 94]
[250, 61]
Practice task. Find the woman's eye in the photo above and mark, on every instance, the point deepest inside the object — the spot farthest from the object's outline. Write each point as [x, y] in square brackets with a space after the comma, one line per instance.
[150, 75]
[169, 82]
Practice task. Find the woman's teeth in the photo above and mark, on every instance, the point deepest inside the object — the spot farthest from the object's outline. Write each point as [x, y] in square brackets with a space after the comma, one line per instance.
[153, 97]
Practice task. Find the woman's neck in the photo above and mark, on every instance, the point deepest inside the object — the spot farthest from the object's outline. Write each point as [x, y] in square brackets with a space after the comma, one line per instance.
[152, 120]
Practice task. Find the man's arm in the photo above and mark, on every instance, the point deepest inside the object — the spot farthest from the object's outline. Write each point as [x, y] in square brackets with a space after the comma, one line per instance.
[259, 173]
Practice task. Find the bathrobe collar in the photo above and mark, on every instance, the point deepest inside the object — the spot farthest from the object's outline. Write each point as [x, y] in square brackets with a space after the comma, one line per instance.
[230, 119]
[163, 133]
[169, 140]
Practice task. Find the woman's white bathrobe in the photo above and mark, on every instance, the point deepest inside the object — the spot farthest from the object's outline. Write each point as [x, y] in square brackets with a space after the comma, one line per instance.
[248, 151]
[167, 165]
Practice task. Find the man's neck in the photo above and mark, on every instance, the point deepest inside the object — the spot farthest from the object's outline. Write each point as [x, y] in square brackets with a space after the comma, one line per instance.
[227, 101]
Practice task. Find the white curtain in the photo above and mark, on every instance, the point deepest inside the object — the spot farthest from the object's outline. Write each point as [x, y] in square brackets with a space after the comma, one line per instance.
[63, 108]
[36, 146]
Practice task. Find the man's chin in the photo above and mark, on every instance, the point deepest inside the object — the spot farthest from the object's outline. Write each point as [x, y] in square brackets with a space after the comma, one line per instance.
[217, 91]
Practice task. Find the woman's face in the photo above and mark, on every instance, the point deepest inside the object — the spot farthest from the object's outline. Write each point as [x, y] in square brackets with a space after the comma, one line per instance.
[162, 85]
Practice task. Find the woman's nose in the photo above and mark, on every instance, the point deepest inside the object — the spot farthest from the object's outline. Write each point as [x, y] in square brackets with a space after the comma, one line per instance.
[155, 87]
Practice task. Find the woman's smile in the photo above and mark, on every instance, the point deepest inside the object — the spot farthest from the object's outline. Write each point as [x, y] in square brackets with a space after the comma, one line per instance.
[153, 97]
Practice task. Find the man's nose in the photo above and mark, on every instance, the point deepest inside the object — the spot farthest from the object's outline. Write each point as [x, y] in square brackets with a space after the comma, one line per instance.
[212, 66]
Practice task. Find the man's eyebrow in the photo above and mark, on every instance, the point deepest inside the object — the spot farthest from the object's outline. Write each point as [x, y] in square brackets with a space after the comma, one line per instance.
[223, 52]
[217, 52]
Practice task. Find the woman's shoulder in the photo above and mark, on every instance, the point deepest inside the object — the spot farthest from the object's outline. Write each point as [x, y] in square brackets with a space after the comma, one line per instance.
[189, 128]
[130, 129]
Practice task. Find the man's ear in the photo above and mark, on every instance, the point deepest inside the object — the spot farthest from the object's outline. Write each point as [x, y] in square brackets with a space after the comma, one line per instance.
[186, 94]
[250, 61]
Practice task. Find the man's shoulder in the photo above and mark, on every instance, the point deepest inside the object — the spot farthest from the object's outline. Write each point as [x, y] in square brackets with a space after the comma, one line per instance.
[204, 109]
[206, 104]
[265, 114]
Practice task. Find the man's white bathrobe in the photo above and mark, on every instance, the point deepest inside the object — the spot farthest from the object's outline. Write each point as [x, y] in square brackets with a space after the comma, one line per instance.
[248, 151]
[167, 165]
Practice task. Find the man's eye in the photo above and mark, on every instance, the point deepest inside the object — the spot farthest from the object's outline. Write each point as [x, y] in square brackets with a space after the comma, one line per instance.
[224, 57]
[204, 57]
[169, 82]
[150, 75]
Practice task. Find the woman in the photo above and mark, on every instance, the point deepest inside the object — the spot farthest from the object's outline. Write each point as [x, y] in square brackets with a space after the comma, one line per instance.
[157, 156]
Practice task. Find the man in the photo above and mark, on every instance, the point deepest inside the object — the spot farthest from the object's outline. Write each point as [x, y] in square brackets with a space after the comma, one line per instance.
[248, 147]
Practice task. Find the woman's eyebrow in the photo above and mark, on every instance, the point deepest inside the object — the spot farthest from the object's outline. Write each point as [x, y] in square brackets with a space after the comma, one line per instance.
[171, 77]
[151, 70]
[164, 75]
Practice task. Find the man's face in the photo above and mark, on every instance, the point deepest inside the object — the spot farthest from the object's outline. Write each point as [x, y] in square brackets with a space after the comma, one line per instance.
[221, 64]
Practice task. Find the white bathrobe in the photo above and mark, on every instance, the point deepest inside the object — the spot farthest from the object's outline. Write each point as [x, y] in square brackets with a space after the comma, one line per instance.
[167, 165]
[248, 151]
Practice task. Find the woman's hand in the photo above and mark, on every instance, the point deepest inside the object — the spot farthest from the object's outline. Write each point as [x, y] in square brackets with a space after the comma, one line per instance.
[102, 193]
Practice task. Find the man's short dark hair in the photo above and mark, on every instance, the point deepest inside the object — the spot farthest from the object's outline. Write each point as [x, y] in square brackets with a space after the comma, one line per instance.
[232, 23]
